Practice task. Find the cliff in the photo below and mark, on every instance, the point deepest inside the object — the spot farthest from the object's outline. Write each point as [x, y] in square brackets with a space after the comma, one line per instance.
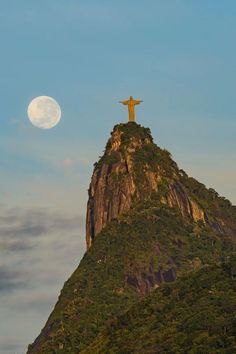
[132, 169]
[148, 226]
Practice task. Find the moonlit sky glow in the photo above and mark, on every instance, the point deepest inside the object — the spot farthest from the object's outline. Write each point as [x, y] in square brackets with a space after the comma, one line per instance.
[178, 56]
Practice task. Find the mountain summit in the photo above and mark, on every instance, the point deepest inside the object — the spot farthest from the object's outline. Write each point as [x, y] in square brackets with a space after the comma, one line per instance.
[132, 169]
[151, 231]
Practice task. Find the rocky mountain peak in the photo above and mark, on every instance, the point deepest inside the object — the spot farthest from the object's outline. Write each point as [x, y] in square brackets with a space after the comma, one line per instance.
[131, 169]
[166, 225]
[113, 181]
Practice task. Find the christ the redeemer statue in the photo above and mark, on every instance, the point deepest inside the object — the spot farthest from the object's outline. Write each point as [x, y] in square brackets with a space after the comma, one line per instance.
[131, 103]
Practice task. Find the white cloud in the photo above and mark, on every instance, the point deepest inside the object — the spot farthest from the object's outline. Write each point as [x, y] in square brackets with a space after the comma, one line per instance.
[39, 249]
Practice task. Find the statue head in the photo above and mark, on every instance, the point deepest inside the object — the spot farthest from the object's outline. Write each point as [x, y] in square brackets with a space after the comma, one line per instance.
[131, 98]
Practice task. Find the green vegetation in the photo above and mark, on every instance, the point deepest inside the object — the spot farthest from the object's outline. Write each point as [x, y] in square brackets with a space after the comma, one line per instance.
[217, 207]
[154, 281]
[150, 238]
[197, 314]
[148, 151]
[137, 142]
[132, 130]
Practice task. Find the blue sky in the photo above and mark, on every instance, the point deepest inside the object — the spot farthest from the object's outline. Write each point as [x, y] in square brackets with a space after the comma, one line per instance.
[178, 56]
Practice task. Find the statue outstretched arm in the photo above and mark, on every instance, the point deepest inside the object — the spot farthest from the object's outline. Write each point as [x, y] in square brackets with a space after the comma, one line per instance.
[138, 101]
[124, 102]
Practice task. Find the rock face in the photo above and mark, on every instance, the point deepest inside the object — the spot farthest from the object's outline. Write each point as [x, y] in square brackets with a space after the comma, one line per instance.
[108, 197]
[116, 181]
[132, 169]
[165, 225]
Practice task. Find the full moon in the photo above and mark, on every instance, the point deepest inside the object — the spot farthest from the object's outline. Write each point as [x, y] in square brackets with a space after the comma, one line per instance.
[44, 112]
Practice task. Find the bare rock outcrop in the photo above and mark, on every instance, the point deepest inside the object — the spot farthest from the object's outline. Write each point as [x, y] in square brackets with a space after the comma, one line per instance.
[114, 185]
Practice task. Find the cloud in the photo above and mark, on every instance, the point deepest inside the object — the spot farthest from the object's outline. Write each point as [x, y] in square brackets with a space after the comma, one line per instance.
[22, 224]
[9, 347]
[67, 162]
[10, 280]
[15, 245]
[36, 299]
[39, 249]
[20, 124]
[70, 162]
[33, 244]
[23, 230]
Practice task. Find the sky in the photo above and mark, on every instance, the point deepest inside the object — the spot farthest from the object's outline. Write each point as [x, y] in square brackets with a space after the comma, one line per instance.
[178, 56]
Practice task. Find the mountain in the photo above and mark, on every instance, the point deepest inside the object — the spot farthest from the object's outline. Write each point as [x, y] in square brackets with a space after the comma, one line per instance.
[133, 168]
[197, 314]
[151, 231]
